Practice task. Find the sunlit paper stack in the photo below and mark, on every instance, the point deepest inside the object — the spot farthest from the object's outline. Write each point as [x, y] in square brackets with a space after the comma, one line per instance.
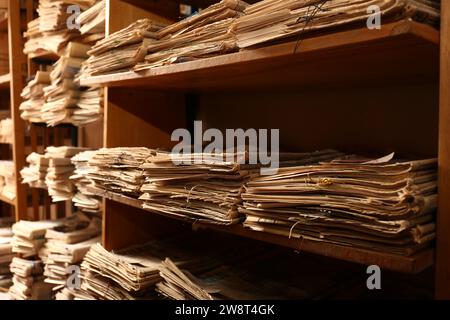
[275, 19]
[89, 107]
[62, 96]
[6, 131]
[6, 256]
[33, 95]
[34, 175]
[7, 180]
[121, 50]
[203, 35]
[92, 21]
[66, 246]
[203, 189]
[28, 280]
[58, 182]
[118, 169]
[84, 199]
[384, 205]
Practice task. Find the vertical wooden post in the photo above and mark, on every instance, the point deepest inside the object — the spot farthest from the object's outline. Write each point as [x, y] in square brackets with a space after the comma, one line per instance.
[443, 221]
[17, 58]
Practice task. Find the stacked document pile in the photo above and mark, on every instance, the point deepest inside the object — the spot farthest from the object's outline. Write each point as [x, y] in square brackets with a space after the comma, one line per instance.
[269, 20]
[63, 94]
[7, 180]
[92, 21]
[66, 247]
[201, 188]
[119, 169]
[34, 175]
[28, 279]
[6, 254]
[89, 107]
[85, 200]
[132, 273]
[202, 35]
[33, 96]
[54, 27]
[384, 204]
[121, 50]
[60, 169]
[6, 131]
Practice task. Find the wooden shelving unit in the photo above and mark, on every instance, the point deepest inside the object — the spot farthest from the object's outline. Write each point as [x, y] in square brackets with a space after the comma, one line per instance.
[356, 90]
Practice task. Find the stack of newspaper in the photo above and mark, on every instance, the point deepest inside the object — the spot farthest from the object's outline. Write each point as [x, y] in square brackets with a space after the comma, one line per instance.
[66, 247]
[270, 20]
[119, 169]
[92, 21]
[381, 204]
[121, 50]
[34, 175]
[203, 187]
[28, 279]
[7, 180]
[205, 34]
[89, 107]
[6, 131]
[60, 169]
[6, 254]
[84, 199]
[62, 96]
[33, 95]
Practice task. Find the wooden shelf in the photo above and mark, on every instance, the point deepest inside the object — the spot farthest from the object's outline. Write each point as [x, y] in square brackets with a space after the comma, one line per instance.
[319, 62]
[4, 24]
[412, 264]
[8, 201]
[5, 81]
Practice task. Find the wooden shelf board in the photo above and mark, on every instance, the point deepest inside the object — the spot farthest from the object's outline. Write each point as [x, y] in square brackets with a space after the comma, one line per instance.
[412, 264]
[8, 201]
[5, 80]
[149, 4]
[4, 24]
[352, 57]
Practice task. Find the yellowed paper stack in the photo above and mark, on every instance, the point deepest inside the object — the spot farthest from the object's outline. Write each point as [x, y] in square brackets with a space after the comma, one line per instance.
[6, 254]
[7, 180]
[33, 95]
[34, 175]
[6, 131]
[92, 21]
[205, 34]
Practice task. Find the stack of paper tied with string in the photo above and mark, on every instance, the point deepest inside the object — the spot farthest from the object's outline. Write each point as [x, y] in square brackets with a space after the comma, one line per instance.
[62, 96]
[270, 20]
[33, 95]
[7, 180]
[60, 169]
[121, 50]
[118, 169]
[6, 254]
[203, 35]
[85, 200]
[66, 247]
[384, 205]
[34, 175]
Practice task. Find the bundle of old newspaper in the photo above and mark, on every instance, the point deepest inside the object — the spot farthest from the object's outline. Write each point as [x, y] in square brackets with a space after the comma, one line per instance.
[121, 50]
[6, 131]
[92, 21]
[28, 279]
[6, 254]
[202, 35]
[60, 169]
[54, 27]
[34, 175]
[7, 180]
[84, 199]
[66, 247]
[33, 96]
[62, 96]
[270, 20]
[119, 169]
[383, 204]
